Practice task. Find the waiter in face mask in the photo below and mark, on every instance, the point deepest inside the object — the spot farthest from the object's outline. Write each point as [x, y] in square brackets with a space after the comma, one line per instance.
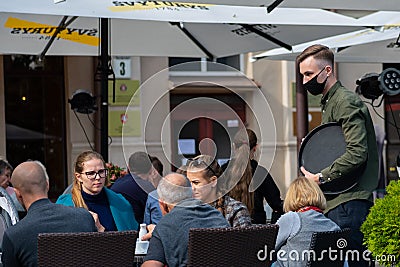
[360, 161]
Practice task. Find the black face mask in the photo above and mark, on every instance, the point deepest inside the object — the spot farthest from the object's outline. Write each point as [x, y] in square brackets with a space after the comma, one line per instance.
[313, 86]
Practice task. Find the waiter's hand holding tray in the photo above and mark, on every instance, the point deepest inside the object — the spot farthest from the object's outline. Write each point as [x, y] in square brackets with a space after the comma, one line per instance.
[319, 149]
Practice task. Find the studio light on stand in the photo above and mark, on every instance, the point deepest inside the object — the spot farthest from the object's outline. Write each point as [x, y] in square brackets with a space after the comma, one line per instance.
[398, 165]
[83, 102]
[373, 85]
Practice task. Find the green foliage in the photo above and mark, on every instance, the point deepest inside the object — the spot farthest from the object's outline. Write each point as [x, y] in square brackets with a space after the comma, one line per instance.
[381, 229]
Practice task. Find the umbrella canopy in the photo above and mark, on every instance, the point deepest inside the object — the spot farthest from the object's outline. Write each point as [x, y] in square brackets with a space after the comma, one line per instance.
[372, 5]
[381, 44]
[15, 132]
[215, 32]
[381, 52]
[161, 11]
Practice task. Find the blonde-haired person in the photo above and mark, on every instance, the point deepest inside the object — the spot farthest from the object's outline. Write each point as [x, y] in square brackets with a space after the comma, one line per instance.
[203, 172]
[111, 211]
[304, 204]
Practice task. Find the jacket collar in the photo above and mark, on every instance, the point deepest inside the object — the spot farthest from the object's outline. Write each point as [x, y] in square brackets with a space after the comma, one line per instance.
[330, 93]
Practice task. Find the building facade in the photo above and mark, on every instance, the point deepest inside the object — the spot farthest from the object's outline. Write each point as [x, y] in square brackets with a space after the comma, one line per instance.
[179, 111]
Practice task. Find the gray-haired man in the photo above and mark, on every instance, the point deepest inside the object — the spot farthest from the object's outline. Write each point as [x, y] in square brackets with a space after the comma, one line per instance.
[169, 242]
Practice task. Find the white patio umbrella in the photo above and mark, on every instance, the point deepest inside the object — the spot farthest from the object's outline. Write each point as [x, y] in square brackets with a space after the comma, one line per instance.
[15, 132]
[156, 28]
[384, 52]
[216, 32]
[164, 9]
[371, 5]
[381, 44]
[363, 5]
[100, 8]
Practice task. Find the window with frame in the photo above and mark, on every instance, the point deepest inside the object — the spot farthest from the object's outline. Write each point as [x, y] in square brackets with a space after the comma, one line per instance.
[204, 65]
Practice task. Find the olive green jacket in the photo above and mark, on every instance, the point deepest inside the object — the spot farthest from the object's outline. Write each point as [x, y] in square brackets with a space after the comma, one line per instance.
[345, 107]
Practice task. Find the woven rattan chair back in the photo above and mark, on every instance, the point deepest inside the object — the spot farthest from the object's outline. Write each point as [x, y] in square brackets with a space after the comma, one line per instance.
[231, 246]
[323, 242]
[86, 249]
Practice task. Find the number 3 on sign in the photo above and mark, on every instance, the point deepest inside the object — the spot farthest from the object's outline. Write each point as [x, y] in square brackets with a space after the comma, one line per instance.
[122, 68]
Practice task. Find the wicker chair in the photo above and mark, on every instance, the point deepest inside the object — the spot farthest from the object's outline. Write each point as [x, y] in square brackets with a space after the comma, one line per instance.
[87, 249]
[323, 242]
[231, 246]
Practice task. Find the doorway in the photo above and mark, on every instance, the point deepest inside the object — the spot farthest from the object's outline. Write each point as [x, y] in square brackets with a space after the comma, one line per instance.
[204, 123]
[35, 115]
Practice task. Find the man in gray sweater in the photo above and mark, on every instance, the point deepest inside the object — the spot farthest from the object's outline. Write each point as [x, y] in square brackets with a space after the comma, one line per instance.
[169, 242]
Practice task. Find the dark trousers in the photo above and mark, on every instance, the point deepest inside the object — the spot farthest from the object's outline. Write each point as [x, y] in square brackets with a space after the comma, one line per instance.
[351, 215]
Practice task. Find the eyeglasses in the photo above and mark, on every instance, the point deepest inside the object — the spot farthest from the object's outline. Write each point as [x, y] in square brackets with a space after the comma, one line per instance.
[92, 174]
[197, 162]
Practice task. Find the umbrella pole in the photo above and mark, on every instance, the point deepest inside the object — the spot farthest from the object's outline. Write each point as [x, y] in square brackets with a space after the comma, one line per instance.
[267, 36]
[301, 108]
[104, 88]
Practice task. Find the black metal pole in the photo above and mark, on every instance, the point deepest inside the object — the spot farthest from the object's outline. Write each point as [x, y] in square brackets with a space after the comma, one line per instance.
[104, 88]
[63, 24]
[301, 108]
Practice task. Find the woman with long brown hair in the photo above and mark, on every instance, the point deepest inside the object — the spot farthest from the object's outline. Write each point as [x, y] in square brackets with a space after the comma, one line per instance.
[239, 173]
[111, 211]
[203, 172]
[244, 168]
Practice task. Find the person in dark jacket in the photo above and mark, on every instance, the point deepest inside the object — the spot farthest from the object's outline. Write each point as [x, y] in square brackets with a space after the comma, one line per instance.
[359, 163]
[31, 186]
[136, 185]
[245, 145]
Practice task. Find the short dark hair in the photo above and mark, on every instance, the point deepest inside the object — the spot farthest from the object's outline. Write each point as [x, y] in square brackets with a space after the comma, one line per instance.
[157, 165]
[5, 165]
[318, 52]
[139, 162]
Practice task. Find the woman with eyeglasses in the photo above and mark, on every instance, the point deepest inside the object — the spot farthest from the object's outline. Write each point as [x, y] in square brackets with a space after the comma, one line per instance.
[203, 172]
[111, 211]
